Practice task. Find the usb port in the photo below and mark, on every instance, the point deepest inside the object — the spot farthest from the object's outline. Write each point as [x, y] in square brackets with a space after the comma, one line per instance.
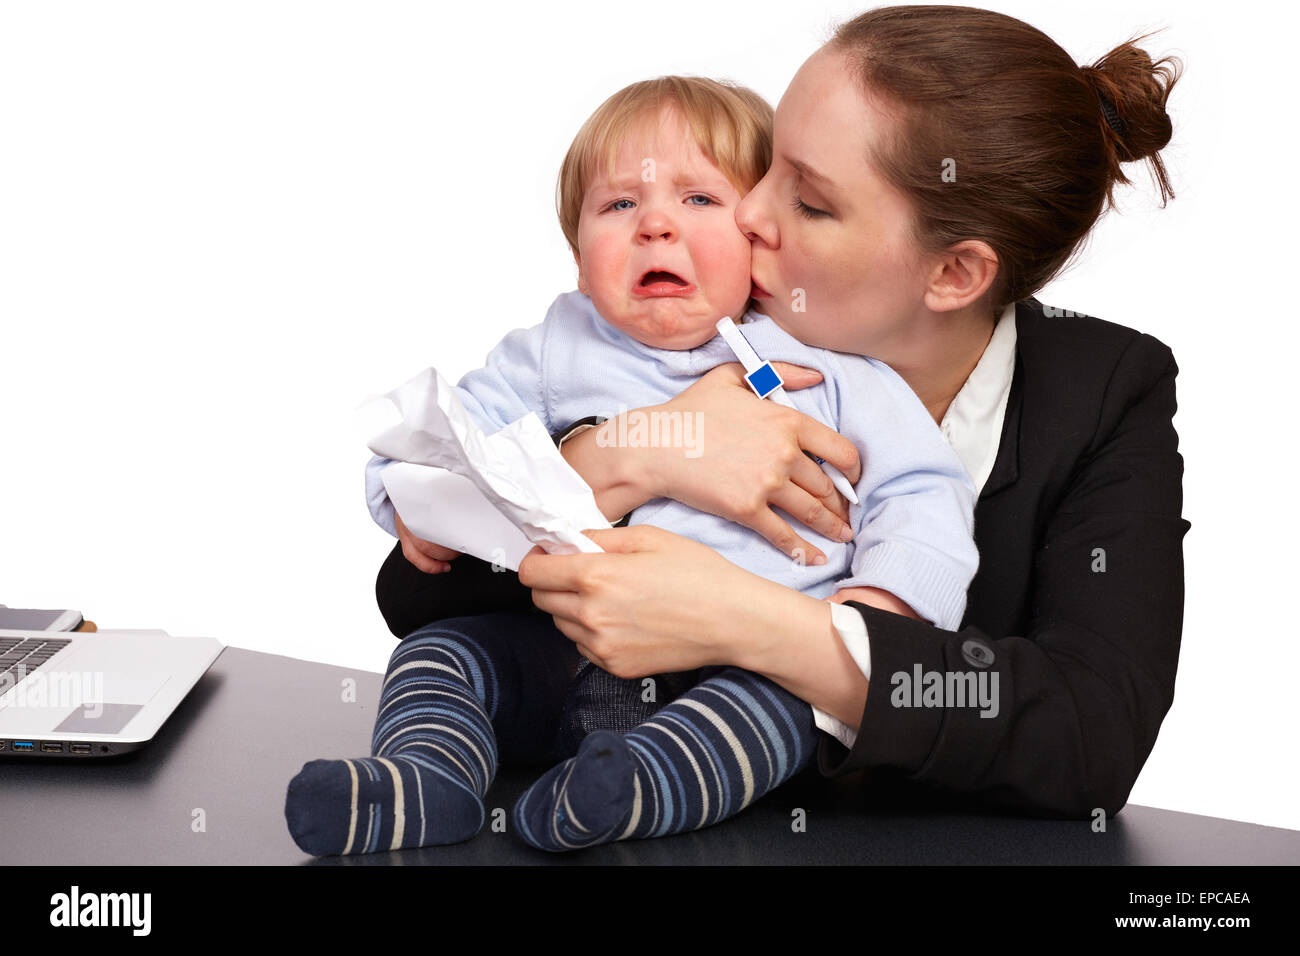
[24, 745]
[51, 748]
[79, 748]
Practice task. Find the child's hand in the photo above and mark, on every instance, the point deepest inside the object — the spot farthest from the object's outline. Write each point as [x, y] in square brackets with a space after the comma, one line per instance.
[428, 557]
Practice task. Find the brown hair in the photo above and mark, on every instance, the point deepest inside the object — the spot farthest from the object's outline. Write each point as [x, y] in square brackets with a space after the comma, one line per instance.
[732, 126]
[1036, 160]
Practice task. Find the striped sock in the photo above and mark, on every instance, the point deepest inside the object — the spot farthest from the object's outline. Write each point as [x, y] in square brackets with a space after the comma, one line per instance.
[701, 759]
[435, 756]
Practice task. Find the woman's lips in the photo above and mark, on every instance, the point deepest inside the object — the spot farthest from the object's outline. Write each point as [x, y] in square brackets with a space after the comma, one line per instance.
[757, 291]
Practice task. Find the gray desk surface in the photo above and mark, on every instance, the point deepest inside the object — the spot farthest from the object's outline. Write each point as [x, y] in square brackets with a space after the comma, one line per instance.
[227, 754]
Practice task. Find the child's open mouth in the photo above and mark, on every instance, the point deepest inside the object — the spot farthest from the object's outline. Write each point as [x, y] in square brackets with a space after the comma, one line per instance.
[658, 282]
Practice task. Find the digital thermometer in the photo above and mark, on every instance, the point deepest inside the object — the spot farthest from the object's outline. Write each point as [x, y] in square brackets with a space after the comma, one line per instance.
[766, 383]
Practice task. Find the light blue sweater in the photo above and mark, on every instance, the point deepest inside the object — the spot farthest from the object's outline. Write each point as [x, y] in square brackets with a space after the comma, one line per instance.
[914, 526]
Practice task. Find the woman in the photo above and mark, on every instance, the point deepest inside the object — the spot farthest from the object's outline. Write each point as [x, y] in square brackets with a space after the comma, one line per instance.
[934, 167]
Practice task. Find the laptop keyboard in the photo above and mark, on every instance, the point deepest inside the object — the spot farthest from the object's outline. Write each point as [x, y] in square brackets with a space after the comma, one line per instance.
[19, 656]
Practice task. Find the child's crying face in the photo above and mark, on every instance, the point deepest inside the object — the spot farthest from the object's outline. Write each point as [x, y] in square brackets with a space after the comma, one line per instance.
[659, 250]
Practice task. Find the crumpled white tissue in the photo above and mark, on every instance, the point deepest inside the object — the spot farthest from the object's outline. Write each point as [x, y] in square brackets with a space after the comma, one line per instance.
[490, 495]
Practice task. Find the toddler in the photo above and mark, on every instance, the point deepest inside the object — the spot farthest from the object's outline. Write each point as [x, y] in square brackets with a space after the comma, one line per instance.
[647, 197]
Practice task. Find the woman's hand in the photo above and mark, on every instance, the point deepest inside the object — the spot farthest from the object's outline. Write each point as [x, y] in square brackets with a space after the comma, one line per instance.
[655, 602]
[748, 459]
[428, 557]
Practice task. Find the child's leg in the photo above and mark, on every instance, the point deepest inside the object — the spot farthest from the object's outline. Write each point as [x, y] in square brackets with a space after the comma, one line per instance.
[600, 701]
[435, 749]
[702, 758]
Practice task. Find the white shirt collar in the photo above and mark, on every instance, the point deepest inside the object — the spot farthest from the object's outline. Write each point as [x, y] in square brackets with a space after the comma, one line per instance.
[973, 422]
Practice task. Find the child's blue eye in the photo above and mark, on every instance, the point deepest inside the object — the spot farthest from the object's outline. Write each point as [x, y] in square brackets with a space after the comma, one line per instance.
[615, 203]
[697, 196]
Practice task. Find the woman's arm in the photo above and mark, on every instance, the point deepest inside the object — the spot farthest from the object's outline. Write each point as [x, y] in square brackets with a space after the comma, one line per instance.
[1072, 707]
[1076, 702]
[656, 602]
[750, 462]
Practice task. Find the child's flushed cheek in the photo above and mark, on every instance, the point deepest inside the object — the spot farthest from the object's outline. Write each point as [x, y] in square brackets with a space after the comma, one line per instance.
[723, 261]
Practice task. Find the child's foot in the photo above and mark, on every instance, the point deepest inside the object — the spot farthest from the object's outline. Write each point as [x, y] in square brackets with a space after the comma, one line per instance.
[378, 803]
[585, 801]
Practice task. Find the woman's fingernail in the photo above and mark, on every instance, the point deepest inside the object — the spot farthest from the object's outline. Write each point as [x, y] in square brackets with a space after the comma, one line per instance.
[820, 559]
[846, 533]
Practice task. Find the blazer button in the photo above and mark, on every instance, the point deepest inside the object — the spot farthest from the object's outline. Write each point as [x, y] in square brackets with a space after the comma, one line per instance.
[977, 653]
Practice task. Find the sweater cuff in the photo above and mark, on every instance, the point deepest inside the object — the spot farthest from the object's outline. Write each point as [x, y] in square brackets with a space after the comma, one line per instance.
[889, 736]
[934, 588]
[381, 507]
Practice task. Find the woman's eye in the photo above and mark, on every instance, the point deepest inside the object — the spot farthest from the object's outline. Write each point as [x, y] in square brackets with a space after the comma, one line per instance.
[808, 212]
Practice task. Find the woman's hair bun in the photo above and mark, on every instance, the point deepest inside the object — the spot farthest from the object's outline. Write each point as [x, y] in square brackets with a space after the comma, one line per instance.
[1029, 127]
[1136, 90]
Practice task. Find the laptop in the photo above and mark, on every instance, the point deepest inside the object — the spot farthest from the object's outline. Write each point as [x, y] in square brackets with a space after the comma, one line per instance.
[75, 695]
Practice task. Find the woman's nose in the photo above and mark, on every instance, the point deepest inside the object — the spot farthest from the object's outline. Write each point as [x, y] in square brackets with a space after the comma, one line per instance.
[752, 219]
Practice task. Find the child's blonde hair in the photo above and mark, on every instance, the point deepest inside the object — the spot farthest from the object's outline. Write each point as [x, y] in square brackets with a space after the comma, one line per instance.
[732, 126]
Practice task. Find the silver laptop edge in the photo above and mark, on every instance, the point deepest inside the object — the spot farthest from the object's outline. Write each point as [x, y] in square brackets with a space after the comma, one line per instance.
[105, 693]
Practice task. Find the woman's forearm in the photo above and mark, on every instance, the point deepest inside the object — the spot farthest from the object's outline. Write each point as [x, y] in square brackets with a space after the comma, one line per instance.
[619, 475]
[752, 471]
[655, 602]
[789, 638]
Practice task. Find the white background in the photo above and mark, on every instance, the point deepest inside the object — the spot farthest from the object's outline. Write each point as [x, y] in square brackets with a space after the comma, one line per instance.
[224, 225]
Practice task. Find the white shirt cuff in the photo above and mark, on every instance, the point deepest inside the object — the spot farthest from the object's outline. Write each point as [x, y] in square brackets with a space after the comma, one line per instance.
[852, 630]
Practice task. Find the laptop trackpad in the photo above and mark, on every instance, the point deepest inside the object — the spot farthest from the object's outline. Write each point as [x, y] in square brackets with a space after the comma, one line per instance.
[109, 700]
[99, 718]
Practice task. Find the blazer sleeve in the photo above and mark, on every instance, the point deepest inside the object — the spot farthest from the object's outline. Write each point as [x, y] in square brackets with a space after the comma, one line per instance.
[409, 598]
[1081, 695]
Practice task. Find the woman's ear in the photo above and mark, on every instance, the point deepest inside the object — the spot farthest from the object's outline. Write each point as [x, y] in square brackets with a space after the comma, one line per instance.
[961, 274]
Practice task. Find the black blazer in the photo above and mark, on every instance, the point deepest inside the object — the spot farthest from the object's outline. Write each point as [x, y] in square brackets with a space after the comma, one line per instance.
[1077, 605]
